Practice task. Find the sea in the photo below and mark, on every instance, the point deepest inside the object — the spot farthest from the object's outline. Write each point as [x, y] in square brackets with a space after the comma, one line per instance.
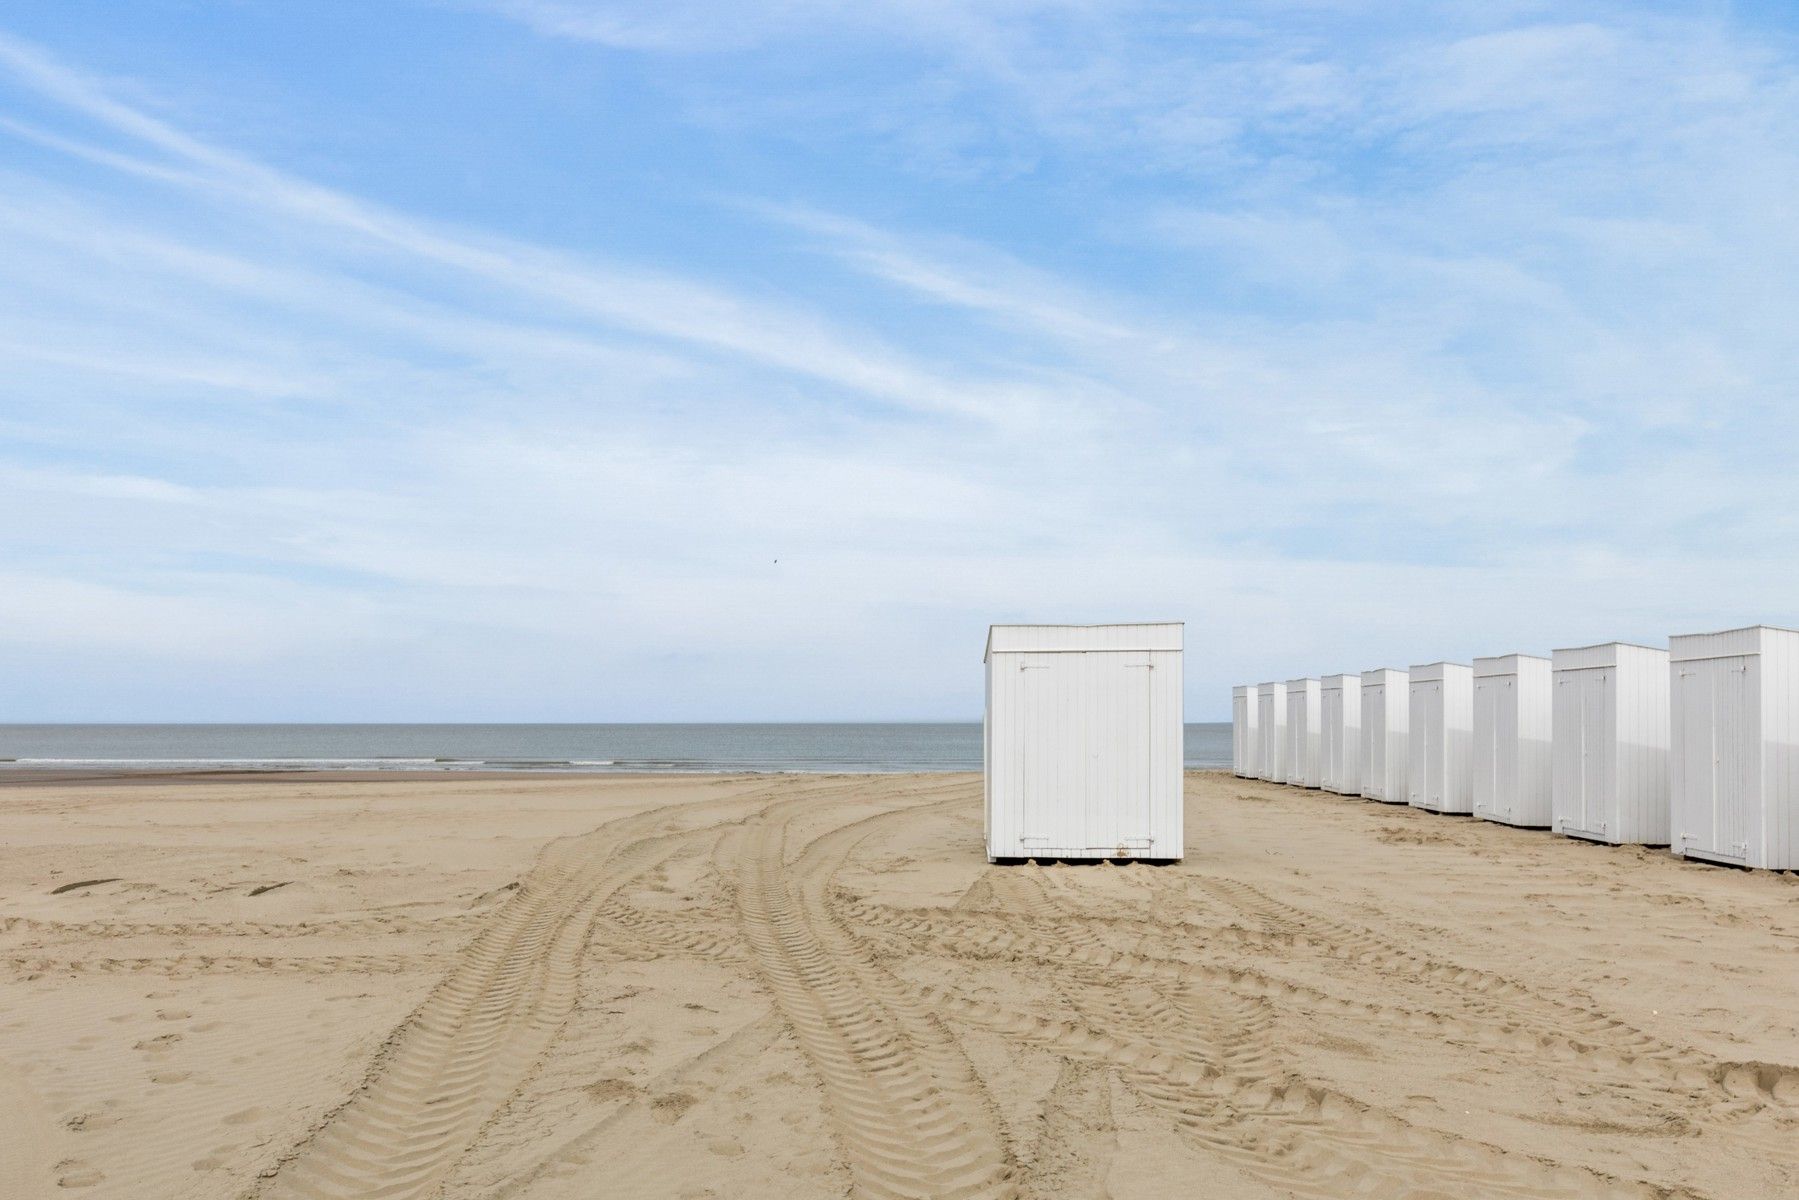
[893, 746]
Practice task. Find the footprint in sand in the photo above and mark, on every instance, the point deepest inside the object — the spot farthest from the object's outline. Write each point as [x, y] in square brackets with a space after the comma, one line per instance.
[216, 1158]
[611, 1089]
[88, 1122]
[671, 1107]
[242, 1116]
[73, 1173]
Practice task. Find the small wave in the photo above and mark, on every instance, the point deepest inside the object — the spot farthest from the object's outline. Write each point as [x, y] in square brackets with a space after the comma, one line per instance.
[245, 764]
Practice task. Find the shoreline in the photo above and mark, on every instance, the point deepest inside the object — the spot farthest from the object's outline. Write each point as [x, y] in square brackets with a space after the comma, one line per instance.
[41, 776]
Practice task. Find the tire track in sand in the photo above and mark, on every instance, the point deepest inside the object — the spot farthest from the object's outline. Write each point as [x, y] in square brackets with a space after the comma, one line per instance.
[1305, 1138]
[1079, 1136]
[457, 1059]
[913, 1118]
[1203, 1059]
[1603, 1039]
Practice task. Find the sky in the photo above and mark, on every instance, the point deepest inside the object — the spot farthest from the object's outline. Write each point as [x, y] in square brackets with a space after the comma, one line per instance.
[520, 360]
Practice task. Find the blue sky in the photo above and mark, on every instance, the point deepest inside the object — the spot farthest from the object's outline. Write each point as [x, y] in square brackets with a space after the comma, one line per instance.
[564, 359]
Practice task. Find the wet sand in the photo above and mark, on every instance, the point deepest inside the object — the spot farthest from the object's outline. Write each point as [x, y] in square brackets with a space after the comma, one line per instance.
[816, 986]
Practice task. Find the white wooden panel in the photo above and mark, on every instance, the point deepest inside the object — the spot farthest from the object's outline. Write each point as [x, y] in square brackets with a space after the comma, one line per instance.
[1779, 744]
[1374, 735]
[1245, 714]
[1641, 720]
[1386, 722]
[1168, 757]
[1340, 742]
[1271, 731]
[1530, 804]
[1304, 715]
[1052, 751]
[1047, 639]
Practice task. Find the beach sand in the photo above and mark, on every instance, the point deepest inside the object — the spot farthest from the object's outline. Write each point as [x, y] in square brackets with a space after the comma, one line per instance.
[816, 986]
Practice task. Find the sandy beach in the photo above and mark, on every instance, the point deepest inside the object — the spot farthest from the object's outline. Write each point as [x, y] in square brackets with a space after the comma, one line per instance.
[816, 986]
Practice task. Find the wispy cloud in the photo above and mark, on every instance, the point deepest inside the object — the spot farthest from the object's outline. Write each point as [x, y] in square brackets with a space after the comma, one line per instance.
[1361, 339]
[636, 300]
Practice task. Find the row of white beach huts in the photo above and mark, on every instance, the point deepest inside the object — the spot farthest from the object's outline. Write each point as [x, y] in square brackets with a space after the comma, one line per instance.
[1695, 747]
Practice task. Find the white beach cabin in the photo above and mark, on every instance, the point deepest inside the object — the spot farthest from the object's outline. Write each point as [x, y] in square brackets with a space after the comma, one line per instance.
[1512, 723]
[1243, 732]
[1271, 732]
[1084, 741]
[1733, 765]
[1304, 710]
[1386, 719]
[1441, 734]
[1610, 776]
[1340, 745]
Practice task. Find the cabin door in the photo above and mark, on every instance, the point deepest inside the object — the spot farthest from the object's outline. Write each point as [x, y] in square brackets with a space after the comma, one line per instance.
[1239, 734]
[1053, 753]
[1297, 767]
[1118, 753]
[1504, 751]
[1713, 723]
[1739, 737]
[1330, 741]
[1436, 761]
[1484, 755]
[1374, 742]
[1270, 734]
[1591, 808]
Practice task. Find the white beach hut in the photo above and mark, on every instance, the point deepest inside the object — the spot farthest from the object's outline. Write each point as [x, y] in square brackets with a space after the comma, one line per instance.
[1271, 732]
[1084, 741]
[1386, 718]
[1304, 712]
[1610, 773]
[1733, 765]
[1243, 732]
[1340, 743]
[1441, 732]
[1512, 705]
